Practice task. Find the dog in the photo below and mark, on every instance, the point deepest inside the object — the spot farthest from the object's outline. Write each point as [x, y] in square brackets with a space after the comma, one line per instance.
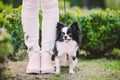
[67, 46]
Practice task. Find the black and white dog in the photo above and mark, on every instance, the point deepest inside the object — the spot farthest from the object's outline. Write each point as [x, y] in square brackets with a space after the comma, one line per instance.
[67, 46]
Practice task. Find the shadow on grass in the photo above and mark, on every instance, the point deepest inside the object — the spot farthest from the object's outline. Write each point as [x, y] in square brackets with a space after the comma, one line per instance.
[107, 56]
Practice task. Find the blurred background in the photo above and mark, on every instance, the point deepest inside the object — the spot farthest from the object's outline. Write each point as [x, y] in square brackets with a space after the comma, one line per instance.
[89, 4]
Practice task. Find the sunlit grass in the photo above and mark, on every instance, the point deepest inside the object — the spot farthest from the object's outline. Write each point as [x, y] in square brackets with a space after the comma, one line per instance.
[100, 69]
[93, 69]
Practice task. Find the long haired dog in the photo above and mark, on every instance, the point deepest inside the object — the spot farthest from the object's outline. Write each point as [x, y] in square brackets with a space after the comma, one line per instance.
[67, 46]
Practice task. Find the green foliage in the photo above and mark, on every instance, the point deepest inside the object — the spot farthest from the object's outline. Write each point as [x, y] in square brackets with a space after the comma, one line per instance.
[14, 3]
[116, 51]
[11, 20]
[5, 45]
[67, 18]
[2, 6]
[61, 4]
[101, 31]
[112, 4]
[5, 48]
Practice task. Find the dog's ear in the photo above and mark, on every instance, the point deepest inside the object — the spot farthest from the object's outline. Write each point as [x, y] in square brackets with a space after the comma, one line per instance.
[75, 26]
[60, 26]
[77, 31]
[58, 31]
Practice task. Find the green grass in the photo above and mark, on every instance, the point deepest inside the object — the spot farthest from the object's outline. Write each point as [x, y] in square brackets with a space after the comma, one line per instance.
[100, 69]
[94, 69]
[56, 79]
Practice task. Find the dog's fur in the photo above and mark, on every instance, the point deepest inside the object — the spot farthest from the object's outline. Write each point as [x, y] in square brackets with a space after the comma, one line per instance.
[67, 46]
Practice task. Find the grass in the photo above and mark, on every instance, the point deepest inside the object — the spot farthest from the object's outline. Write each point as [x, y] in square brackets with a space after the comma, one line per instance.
[86, 69]
[94, 69]
[100, 69]
[56, 79]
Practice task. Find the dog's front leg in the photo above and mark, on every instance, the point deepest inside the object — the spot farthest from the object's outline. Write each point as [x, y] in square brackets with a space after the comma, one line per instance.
[72, 65]
[57, 65]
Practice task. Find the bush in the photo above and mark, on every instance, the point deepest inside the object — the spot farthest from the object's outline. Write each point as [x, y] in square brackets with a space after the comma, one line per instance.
[5, 48]
[112, 4]
[101, 31]
[11, 20]
[3, 7]
[100, 28]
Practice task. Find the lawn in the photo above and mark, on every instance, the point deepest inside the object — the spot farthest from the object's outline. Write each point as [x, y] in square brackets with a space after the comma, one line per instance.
[99, 69]
[95, 69]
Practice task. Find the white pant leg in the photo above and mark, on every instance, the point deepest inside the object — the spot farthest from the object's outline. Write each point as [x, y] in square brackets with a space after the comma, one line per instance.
[30, 21]
[50, 19]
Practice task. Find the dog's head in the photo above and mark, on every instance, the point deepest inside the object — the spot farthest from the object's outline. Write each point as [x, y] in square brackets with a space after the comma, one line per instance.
[65, 34]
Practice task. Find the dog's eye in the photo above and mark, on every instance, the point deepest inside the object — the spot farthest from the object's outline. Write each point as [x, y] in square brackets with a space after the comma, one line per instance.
[63, 33]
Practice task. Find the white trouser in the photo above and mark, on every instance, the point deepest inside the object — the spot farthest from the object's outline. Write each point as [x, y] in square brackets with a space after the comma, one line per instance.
[30, 21]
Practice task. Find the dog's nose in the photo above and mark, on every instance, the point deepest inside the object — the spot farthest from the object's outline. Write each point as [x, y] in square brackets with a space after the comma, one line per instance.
[65, 37]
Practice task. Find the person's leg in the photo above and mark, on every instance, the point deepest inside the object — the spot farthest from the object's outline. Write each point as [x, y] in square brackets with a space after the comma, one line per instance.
[30, 21]
[50, 19]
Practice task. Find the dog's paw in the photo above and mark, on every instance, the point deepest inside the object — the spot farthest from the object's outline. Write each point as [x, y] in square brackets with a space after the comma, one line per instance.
[57, 72]
[71, 72]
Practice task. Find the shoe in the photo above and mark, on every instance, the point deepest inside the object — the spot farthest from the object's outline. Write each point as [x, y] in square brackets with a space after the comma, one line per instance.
[46, 63]
[34, 63]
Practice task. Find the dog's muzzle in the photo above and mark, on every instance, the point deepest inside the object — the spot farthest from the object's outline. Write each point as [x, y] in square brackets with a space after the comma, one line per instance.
[67, 40]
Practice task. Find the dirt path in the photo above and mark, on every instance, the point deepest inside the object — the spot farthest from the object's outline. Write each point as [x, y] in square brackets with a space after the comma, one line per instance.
[18, 73]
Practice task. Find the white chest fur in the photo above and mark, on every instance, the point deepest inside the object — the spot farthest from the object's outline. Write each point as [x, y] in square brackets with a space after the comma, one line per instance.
[69, 47]
[64, 48]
